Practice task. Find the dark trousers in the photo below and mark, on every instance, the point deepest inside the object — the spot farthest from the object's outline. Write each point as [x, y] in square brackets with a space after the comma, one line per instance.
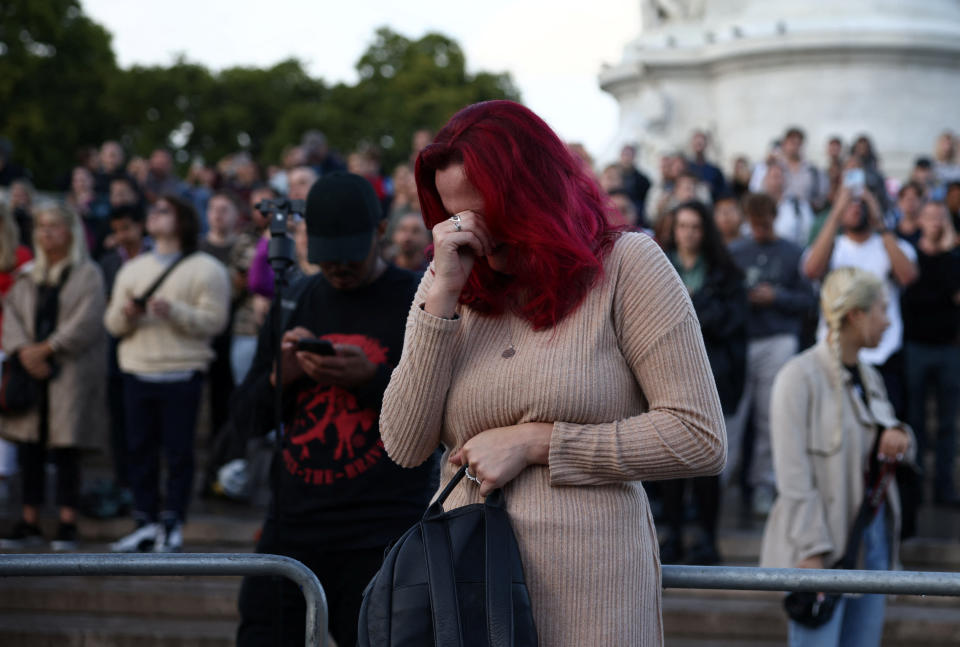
[118, 431]
[33, 461]
[220, 379]
[161, 415]
[272, 610]
[706, 497]
[909, 482]
[936, 368]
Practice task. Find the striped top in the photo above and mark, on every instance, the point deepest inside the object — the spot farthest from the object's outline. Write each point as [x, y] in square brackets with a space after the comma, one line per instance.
[626, 381]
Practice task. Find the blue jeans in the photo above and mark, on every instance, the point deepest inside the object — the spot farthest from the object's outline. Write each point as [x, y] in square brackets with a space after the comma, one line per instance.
[857, 620]
[937, 367]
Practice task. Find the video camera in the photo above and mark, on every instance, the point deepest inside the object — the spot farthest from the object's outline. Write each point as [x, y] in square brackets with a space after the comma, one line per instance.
[278, 211]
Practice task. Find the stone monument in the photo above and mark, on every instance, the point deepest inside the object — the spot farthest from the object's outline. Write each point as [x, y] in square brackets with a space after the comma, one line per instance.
[744, 70]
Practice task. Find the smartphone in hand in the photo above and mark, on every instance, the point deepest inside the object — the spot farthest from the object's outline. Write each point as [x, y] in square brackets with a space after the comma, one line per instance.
[316, 346]
[854, 179]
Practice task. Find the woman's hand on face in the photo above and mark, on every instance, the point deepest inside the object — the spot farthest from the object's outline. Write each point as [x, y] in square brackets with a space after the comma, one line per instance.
[454, 253]
[496, 456]
[894, 443]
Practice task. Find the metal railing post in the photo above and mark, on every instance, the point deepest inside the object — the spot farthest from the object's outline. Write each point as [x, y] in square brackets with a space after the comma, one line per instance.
[183, 564]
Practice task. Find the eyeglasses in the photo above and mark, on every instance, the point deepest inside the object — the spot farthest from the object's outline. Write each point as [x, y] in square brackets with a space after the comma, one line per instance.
[160, 208]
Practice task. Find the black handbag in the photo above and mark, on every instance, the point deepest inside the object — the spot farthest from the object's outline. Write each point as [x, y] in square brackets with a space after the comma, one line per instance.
[19, 391]
[455, 579]
[815, 609]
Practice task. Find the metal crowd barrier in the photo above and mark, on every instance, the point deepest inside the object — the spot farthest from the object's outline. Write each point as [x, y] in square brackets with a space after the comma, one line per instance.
[678, 577]
[185, 564]
[744, 578]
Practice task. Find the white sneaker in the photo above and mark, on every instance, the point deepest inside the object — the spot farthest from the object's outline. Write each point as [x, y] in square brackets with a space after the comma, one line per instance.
[170, 541]
[142, 540]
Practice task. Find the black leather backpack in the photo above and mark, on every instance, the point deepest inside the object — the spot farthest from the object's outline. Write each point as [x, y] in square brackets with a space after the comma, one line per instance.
[455, 579]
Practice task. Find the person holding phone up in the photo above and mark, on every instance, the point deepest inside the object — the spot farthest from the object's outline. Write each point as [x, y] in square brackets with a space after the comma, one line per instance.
[560, 359]
[854, 235]
[338, 499]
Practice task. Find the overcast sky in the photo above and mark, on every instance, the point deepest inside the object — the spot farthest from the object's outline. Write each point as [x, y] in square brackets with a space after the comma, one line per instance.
[553, 48]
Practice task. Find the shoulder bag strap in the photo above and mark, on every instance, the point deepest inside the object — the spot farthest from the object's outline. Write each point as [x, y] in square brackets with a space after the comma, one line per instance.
[143, 298]
[877, 479]
[498, 565]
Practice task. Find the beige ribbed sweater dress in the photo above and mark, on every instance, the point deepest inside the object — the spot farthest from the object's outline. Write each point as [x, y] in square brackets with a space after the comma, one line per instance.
[626, 382]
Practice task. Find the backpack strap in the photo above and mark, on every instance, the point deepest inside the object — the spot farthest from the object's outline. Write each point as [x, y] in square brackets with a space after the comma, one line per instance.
[498, 577]
[442, 585]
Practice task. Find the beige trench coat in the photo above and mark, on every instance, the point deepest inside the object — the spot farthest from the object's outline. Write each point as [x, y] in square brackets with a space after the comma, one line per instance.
[78, 415]
[820, 465]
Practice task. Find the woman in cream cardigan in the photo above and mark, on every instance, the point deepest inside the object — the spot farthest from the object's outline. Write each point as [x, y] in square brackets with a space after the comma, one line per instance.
[827, 409]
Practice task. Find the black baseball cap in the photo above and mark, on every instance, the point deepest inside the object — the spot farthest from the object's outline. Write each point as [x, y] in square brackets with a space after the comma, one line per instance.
[342, 213]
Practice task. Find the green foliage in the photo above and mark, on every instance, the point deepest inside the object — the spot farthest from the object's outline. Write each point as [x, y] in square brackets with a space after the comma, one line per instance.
[61, 89]
[404, 85]
[55, 67]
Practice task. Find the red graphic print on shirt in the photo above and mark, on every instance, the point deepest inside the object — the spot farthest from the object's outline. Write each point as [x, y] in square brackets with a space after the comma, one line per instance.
[332, 437]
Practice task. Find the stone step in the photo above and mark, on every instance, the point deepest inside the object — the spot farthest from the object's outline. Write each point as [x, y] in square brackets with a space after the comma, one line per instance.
[206, 529]
[153, 597]
[48, 629]
[200, 531]
[755, 616]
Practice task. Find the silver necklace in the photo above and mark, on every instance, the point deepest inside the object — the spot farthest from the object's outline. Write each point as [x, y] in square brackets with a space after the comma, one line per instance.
[510, 350]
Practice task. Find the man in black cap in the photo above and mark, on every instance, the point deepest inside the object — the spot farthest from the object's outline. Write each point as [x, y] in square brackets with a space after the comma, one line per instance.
[339, 500]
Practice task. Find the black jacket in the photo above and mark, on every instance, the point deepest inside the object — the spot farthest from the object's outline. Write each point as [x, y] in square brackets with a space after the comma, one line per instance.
[722, 309]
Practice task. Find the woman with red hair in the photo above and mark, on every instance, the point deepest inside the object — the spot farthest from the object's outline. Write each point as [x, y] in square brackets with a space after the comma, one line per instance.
[561, 359]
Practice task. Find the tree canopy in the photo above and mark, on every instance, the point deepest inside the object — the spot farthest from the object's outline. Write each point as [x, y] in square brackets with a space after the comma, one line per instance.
[61, 90]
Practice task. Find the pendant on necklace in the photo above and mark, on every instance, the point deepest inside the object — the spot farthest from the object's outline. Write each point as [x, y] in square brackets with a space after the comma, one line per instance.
[508, 353]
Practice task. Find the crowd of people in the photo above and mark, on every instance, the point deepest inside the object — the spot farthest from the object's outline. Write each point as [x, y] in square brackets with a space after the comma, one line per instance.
[754, 269]
[128, 294]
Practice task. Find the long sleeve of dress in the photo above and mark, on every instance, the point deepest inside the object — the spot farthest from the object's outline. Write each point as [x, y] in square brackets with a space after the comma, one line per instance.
[682, 433]
[421, 380]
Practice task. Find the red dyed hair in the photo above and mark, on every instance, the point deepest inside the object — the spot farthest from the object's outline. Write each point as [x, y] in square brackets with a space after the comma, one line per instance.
[536, 197]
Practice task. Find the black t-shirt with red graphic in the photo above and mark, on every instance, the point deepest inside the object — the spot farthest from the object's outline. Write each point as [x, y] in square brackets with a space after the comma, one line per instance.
[337, 486]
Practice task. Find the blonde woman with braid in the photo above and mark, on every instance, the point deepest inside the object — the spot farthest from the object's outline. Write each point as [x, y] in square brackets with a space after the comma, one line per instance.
[826, 411]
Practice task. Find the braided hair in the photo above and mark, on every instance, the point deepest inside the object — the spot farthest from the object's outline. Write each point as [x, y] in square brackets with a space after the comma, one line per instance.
[845, 289]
